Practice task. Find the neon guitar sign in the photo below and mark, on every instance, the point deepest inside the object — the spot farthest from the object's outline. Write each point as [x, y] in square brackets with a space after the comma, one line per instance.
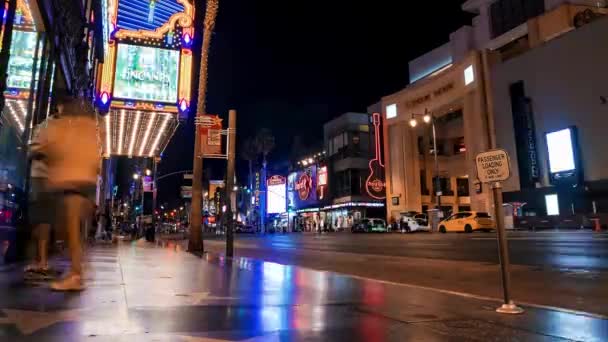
[375, 184]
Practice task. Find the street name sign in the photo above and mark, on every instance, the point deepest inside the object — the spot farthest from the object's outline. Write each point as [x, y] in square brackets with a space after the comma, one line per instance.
[493, 166]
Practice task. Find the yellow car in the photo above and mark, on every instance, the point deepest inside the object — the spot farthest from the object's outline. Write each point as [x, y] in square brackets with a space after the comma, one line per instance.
[467, 221]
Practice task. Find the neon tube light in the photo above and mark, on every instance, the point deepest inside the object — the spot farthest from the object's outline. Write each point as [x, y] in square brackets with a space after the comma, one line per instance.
[108, 135]
[134, 130]
[121, 132]
[161, 132]
[144, 142]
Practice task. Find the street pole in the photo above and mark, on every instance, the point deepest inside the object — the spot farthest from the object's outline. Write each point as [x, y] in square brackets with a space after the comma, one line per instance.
[263, 197]
[437, 182]
[230, 181]
[154, 192]
[508, 307]
[195, 243]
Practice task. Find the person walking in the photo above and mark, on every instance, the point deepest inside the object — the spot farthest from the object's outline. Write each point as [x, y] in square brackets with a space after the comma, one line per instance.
[40, 208]
[73, 159]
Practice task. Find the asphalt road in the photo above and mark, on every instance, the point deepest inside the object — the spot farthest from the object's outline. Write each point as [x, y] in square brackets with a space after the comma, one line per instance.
[584, 250]
[562, 269]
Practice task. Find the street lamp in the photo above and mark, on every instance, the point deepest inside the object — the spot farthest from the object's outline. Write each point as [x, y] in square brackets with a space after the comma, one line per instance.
[148, 172]
[135, 176]
[428, 118]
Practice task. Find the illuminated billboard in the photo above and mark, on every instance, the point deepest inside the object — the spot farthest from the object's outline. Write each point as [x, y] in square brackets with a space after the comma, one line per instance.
[302, 187]
[21, 63]
[146, 74]
[277, 191]
[561, 153]
[563, 159]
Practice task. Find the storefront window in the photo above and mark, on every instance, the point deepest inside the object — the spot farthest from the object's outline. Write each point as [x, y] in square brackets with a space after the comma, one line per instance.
[445, 186]
[27, 64]
[424, 190]
[462, 185]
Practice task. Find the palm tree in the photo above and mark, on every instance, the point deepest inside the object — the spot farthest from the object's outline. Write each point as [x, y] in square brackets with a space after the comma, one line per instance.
[249, 153]
[264, 143]
[195, 244]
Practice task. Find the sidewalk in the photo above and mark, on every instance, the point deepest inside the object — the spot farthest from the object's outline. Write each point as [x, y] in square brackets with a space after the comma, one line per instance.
[140, 292]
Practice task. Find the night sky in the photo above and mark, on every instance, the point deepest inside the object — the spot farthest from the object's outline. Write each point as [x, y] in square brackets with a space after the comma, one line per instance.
[292, 65]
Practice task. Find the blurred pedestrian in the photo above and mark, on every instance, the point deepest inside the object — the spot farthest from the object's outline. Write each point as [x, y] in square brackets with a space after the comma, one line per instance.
[70, 146]
[40, 208]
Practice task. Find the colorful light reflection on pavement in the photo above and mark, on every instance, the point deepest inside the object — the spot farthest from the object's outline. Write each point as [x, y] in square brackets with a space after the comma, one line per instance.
[139, 292]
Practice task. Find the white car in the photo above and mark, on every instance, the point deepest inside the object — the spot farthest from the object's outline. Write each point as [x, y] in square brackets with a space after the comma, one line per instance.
[410, 224]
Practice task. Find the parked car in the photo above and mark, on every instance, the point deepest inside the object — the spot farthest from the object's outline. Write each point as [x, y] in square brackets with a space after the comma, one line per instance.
[244, 228]
[422, 219]
[411, 224]
[370, 226]
[467, 221]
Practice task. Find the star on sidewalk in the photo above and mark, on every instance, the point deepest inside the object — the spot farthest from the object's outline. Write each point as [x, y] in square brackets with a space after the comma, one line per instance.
[29, 322]
[197, 298]
[274, 337]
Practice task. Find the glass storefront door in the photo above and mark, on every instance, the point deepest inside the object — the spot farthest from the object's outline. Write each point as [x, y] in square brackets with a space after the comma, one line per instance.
[26, 84]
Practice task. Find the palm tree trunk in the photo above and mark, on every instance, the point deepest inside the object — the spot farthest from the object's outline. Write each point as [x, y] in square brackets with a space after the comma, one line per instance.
[195, 244]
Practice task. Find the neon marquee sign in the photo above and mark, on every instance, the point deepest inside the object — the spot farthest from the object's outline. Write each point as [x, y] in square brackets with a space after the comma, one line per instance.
[375, 184]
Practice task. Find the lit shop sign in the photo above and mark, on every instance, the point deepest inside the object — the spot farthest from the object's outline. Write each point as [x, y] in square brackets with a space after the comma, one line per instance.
[276, 180]
[321, 182]
[343, 205]
[355, 204]
[309, 210]
[375, 184]
[256, 198]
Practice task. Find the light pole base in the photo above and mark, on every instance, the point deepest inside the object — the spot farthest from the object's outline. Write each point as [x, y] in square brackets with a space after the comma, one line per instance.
[510, 309]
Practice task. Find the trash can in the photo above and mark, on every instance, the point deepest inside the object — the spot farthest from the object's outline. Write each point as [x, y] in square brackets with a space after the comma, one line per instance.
[434, 219]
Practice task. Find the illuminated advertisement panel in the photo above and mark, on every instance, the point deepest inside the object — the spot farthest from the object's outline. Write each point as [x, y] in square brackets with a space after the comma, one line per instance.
[302, 187]
[561, 153]
[277, 191]
[21, 63]
[146, 73]
[562, 147]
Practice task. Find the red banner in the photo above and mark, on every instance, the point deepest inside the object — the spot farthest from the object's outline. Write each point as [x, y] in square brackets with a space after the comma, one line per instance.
[211, 134]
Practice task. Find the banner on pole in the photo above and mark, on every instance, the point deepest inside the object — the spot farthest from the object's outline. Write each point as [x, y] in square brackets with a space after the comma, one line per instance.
[211, 134]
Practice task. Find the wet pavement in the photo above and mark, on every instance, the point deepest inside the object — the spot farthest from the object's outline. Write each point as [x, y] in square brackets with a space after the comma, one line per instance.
[140, 292]
[555, 269]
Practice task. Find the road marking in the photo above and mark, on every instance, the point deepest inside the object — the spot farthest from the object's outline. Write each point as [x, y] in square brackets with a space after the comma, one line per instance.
[555, 239]
[469, 295]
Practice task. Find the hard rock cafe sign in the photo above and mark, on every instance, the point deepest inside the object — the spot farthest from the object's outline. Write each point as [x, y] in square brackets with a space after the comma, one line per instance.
[304, 186]
[375, 185]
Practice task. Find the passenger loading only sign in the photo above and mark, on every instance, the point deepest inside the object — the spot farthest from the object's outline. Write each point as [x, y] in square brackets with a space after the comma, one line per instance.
[493, 166]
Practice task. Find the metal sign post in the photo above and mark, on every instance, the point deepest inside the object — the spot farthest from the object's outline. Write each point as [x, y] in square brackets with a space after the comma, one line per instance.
[493, 167]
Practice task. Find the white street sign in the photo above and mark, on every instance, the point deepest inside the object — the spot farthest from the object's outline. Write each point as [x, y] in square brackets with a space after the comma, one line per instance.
[493, 166]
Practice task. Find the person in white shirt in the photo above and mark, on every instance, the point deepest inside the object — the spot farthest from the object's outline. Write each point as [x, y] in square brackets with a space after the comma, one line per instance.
[40, 207]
